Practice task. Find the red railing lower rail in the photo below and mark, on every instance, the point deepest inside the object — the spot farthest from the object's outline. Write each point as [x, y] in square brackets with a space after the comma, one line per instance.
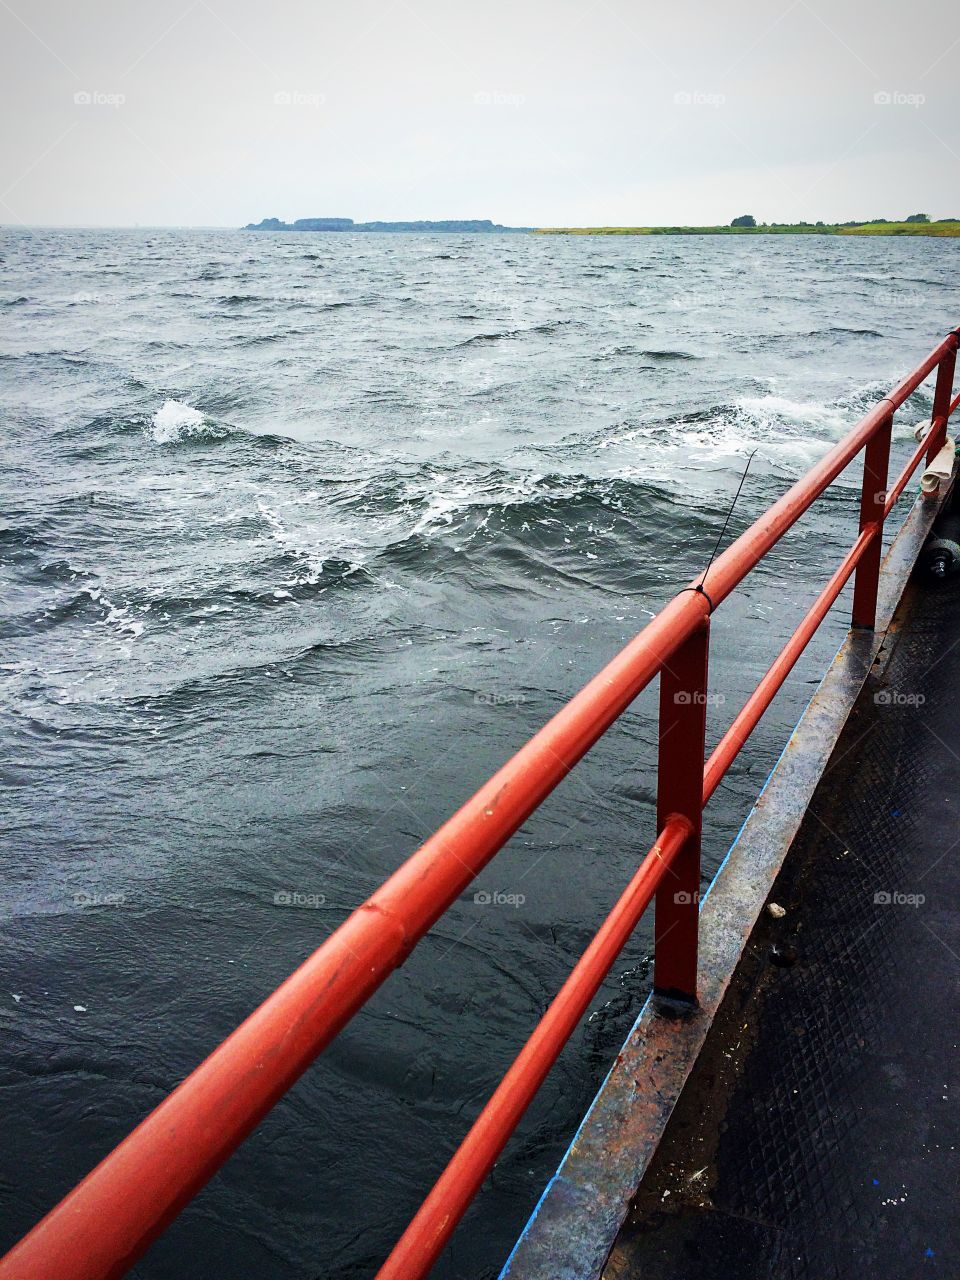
[101, 1227]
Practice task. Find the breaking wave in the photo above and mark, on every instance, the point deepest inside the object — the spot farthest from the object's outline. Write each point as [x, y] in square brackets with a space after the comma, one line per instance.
[175, 421]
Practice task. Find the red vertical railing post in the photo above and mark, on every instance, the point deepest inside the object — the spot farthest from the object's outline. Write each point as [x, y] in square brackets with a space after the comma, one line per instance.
[873, 498]
[683, 727]
[942, 395]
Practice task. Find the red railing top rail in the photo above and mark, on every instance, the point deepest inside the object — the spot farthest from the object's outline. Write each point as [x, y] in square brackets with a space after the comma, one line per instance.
[110, 1218]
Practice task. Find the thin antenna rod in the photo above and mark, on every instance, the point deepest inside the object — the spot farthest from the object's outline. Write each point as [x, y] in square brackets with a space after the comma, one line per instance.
[727, 521]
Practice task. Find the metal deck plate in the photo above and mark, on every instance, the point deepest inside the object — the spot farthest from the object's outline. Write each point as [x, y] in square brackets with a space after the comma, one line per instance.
[818, 1135]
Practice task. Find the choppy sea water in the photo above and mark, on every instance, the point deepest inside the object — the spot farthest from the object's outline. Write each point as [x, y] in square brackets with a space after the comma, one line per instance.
[301, 537]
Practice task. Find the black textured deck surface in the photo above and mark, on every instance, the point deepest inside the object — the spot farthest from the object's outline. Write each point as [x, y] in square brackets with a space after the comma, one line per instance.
[818, 1135]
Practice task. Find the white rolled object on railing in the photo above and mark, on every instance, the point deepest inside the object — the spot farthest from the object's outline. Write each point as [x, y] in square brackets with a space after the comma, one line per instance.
[940, 469]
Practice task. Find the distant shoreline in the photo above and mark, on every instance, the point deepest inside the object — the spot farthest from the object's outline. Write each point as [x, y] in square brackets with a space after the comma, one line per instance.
[945, 228]
[476, 226]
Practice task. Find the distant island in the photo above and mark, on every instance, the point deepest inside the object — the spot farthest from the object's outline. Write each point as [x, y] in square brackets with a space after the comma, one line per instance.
[474, 225]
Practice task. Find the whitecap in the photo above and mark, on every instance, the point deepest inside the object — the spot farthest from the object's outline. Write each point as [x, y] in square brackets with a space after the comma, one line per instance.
[174, 420]
[117, 616]
[773, 410]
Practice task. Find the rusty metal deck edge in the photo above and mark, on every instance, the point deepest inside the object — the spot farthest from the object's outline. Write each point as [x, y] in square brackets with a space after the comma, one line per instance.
[573, 1227]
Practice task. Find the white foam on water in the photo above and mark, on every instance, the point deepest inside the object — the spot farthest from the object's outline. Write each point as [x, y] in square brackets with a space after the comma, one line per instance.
[117, 616]
[174, 420]
[313, 543]
[463, 494]
[774, 410]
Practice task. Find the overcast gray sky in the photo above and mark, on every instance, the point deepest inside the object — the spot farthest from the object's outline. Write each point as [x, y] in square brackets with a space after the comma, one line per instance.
[218, 112]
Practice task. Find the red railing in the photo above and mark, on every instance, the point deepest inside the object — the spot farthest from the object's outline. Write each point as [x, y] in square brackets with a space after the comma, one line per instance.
[101, 1227]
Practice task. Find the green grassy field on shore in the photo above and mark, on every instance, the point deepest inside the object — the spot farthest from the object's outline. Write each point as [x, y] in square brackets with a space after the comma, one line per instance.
[948, 228]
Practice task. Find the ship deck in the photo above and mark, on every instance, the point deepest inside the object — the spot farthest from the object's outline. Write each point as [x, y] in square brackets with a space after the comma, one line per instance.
[817, 1135]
